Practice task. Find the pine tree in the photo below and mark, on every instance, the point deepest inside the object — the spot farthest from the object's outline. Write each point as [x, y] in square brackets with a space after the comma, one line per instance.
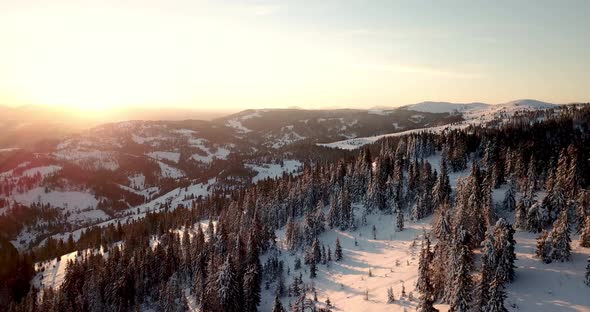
[587, 280]
[399, 221]
[252, 278]
[585, 234]
[312, 270]
[489, 263]
[442, 187]
[505, 247]
[277, 306]
[424, 284]
[521, 215]
[560, 239]
[227, 287]
[338, 250]
[509, 203]
[497, 297]
[316, 251]
[543, 247]
[442, 224]
[462, 284]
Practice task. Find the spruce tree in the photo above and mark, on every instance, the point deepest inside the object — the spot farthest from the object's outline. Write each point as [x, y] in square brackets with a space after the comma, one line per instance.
[462, 284]
[585, 234]
[509, 203]
[227, 287]
[505, 248]
[497, 297]
[277, 306]
[424, 284]
[252, 279]
[587, 280]
[543, 248]
[521, 215]
[338, 250]
[399, 221]
[560, 239]
[489, 263]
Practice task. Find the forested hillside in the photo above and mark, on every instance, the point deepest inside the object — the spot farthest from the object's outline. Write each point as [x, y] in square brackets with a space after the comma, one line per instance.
[427, 220]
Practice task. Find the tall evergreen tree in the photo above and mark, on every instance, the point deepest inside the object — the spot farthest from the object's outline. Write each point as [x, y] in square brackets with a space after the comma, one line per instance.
[505, 247]
[462, 283]
[277, 306]
[560, 238]
[399, 220]
[338, 250]
[227, 287]
[585, 234]
[509, 203]
[252, 278]
[424, 284]
[497, 297]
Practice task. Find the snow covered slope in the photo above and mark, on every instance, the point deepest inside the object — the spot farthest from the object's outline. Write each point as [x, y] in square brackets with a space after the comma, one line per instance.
[473, 114]
[445, 107]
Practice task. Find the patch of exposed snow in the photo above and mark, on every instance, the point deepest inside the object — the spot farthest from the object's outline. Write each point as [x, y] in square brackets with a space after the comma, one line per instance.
[220, 153]
[168, 171]
[68, 200]
[43, 171]
[9, 149]
[274, 170]
[171, 156]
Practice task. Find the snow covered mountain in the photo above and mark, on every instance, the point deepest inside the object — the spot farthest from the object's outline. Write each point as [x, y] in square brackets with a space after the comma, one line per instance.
[250, 204]
[116, 169]
[460, 108]
[473, 114]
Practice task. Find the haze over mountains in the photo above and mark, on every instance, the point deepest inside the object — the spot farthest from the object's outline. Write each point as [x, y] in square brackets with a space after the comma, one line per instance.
[27, 126]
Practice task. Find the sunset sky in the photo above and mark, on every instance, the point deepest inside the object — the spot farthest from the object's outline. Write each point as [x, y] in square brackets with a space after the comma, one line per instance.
[251, 54]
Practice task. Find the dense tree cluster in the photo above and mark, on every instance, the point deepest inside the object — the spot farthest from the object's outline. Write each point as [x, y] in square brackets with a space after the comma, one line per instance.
[154, 265]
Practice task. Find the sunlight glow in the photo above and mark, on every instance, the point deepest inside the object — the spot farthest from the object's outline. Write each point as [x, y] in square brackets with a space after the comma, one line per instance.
[103, 55]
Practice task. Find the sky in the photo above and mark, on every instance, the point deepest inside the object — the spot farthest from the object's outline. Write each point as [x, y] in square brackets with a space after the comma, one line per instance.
[229, 55]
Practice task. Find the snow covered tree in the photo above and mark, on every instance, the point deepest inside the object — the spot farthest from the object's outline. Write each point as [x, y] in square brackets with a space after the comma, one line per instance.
[424, 284]
[227, 287]
[292, 234]
[462, 284]
[347, 213]
[560, 238]
[509, 203]
[252, 278]
[338, 250]
[543, 247]
[505, 248]
[582, 209]
[497, 297]
[520, 215]
[585, 233]
[538, 217]
[442, 223]
[377, 193]
[334, 212]
[489, 262]
[314, 223]
[442, 187]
